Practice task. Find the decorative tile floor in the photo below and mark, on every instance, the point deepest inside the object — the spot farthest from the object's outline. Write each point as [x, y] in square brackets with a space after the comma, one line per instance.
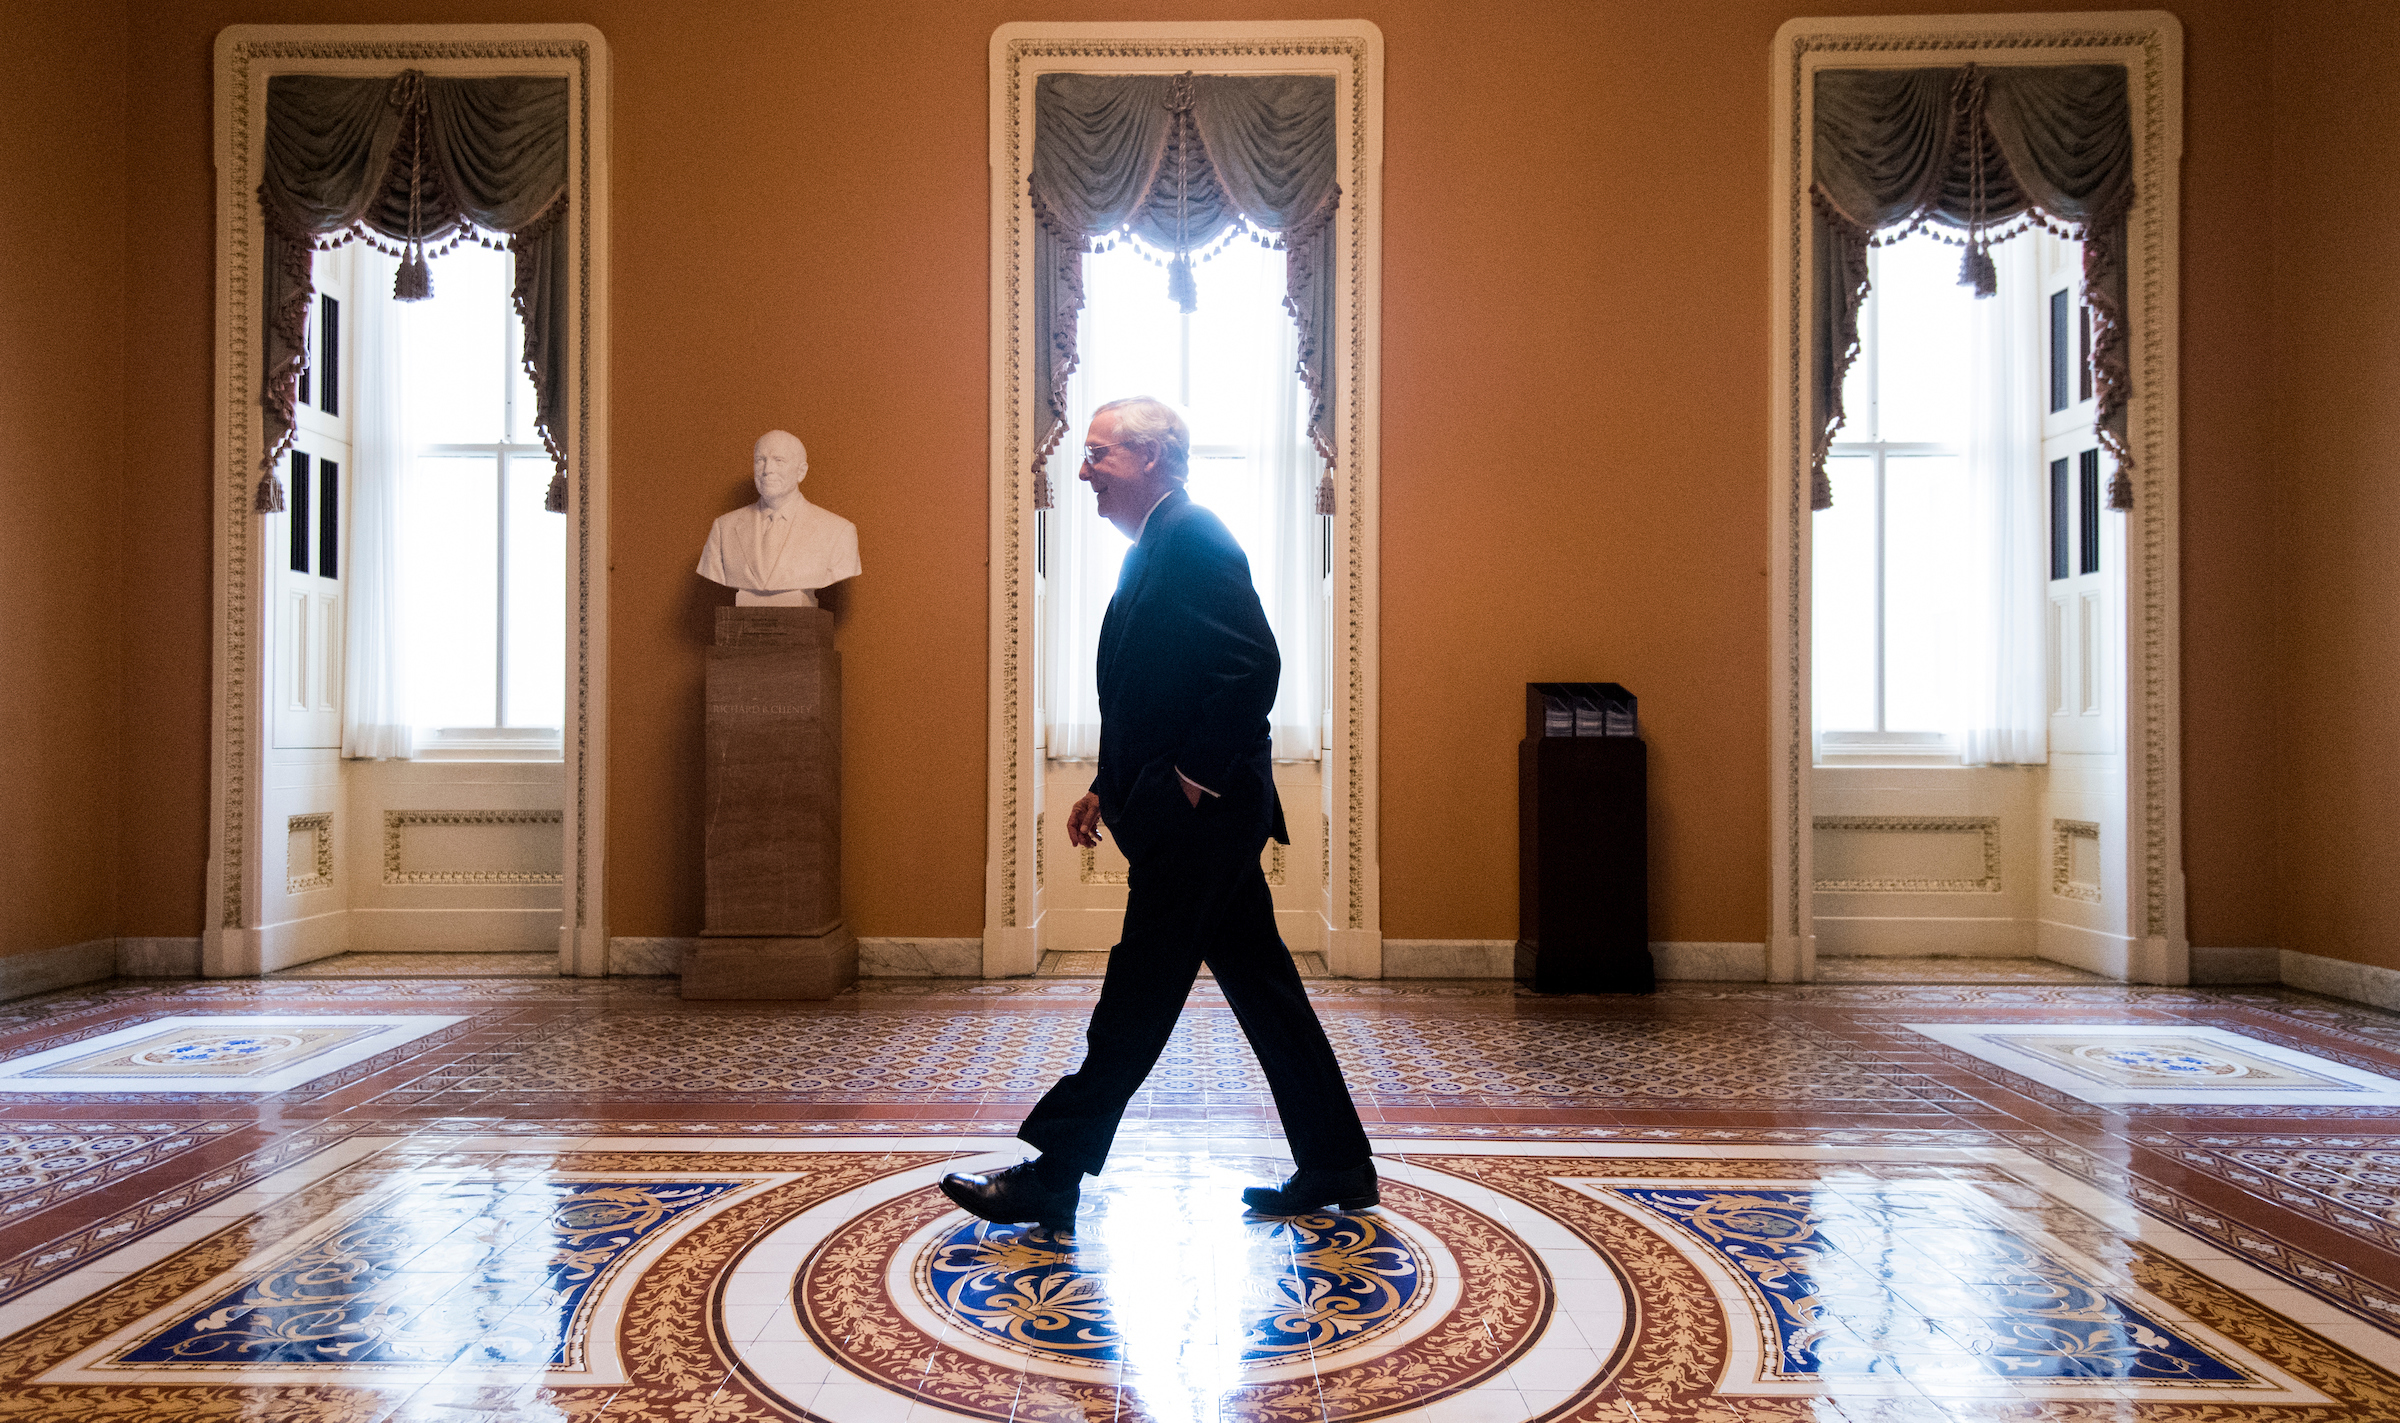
[583, 1200]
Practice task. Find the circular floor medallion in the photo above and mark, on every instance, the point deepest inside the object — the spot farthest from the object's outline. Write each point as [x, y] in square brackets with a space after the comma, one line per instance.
[1309, 1284]
[1352, 1316]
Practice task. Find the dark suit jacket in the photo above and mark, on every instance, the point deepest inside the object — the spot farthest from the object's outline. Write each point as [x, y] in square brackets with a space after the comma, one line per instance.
[1188, 670]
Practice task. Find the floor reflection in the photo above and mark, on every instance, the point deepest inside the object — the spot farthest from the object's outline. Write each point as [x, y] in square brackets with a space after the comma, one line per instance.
[1171, 1280]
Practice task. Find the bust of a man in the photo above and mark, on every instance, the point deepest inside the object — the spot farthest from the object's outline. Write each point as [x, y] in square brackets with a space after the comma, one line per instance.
[778, 552]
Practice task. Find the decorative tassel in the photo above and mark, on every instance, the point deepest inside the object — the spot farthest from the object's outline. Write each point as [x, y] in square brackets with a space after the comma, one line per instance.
[1041, 489]
[555, 500]
[414, 280]
[1976, 270]
[269, 499]
[1325, 494]
[2120, 491]
[1180, 288]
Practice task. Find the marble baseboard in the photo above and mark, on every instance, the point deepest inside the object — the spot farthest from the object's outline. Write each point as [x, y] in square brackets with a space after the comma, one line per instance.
[635, 957]
[1711, 962]
[22, 975]
[920, 958]
[2338, 978]
[1497, 958]
[1449, 958]
[2210, 965]
[158, 958]
[646, 958]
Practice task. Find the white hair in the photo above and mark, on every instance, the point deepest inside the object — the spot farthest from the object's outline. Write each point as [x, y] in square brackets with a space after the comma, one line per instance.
[1148, 421]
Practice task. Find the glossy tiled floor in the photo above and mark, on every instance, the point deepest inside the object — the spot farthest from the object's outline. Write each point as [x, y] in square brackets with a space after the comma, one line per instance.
[418, 1198]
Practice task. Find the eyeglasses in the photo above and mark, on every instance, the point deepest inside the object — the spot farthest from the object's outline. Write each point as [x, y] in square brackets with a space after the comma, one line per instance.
[1093, 454]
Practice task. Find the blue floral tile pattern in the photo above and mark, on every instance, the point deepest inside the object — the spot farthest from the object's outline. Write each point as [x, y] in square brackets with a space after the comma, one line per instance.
[488, 1270]
[1323, 1280]
[1857, 1281]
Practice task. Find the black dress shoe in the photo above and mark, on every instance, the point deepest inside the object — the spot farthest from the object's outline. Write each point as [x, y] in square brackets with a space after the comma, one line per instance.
[1013, 1195]
[1350, 1188]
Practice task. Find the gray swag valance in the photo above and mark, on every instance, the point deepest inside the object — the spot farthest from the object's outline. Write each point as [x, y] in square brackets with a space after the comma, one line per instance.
[423, 162]
[1181, 161]
[1986, 153]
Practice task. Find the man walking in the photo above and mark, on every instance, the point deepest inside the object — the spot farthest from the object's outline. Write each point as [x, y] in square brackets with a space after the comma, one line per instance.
[1188, 669]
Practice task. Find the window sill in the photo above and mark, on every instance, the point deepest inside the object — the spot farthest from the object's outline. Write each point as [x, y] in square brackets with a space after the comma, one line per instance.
[491, 744]
[1886, 748]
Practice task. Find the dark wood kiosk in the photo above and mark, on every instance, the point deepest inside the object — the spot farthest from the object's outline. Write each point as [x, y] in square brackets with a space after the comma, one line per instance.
[1583, 842]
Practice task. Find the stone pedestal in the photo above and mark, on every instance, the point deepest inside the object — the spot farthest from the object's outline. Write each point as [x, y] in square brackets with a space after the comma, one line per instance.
[772, 922]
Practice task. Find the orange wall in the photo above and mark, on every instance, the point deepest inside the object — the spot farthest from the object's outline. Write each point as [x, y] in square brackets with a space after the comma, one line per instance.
[2336, 479]
[1575, 429]
[64, 497]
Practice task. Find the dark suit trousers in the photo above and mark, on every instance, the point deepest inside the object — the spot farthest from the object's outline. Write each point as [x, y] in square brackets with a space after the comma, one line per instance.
[1201, 897]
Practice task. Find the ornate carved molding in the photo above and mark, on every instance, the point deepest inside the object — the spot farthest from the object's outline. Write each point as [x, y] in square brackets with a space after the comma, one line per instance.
[246, 57]
[2149, 43]
[319, 828]
[2063, 835]
[396, 821]
[1088, 869]
[1985, 826]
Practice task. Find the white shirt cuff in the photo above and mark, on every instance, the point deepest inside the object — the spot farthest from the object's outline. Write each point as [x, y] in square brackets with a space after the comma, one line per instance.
[1195, 785]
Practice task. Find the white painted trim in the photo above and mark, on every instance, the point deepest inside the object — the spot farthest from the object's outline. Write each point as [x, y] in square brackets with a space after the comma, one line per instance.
[1351, 50]
[2092, 950]
[2150, 44]
[246, 56]
[289, 943]
[451, 931]
[1883, 936]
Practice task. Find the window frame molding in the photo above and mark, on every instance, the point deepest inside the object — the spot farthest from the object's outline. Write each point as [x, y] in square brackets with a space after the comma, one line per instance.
[246, 56]
[1352, 51]
[2150, 44]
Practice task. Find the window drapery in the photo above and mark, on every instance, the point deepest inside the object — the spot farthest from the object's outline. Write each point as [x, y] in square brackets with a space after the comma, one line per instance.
[1986, 153]
[1182, 162]
[417, 160]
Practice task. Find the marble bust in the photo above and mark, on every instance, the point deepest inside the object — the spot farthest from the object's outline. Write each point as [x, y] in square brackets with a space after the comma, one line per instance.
[778, 552]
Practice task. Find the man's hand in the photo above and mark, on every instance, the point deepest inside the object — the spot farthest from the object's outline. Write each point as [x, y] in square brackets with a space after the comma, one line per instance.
[1083, 822]
[1191, 789]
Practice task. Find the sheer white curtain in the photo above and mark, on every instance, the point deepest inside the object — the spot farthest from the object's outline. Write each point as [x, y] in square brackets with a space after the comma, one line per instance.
[375, 722]
[1232, 368]
[2007, 701]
